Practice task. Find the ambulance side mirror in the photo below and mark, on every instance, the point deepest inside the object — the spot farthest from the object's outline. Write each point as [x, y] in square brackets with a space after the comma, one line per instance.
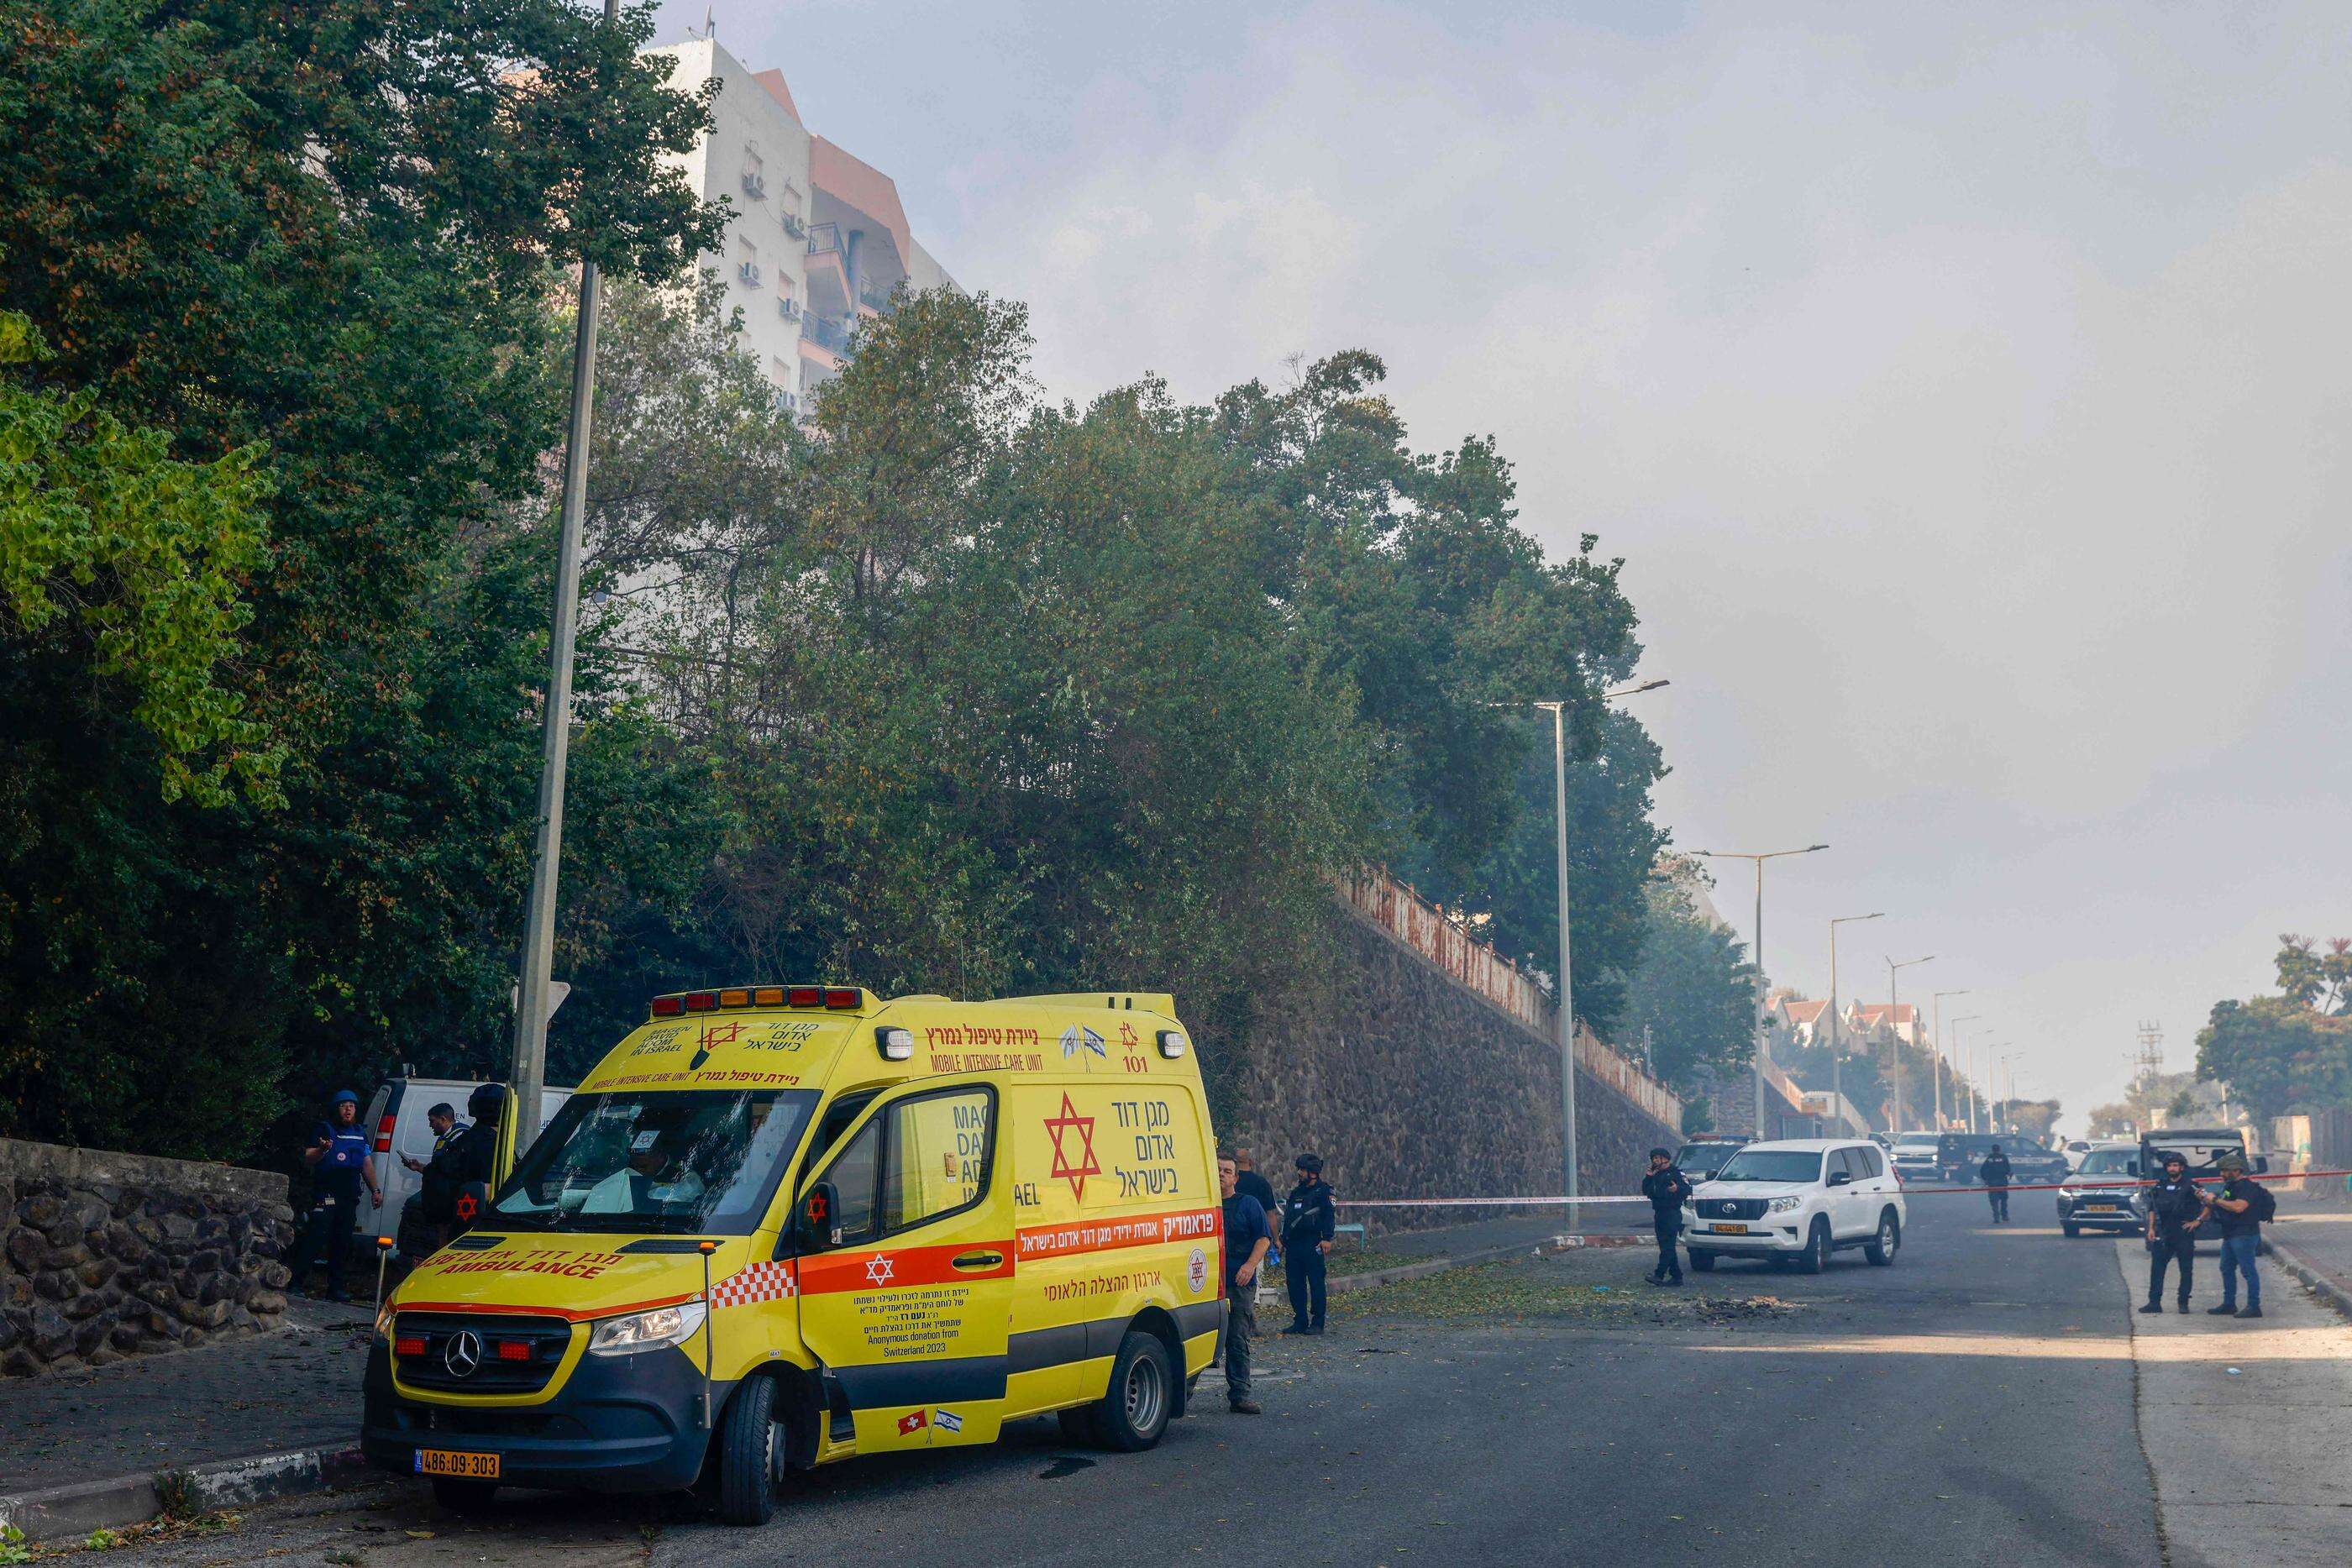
[817, 1221]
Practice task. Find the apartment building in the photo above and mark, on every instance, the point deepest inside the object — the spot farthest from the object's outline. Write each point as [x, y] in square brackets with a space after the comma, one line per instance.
[819, 238]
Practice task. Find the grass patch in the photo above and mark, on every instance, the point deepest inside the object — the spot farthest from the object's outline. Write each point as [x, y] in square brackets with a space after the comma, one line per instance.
[1523, 1290]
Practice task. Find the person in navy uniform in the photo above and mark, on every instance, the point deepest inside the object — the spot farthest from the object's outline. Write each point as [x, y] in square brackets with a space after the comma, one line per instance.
[2175, 1210]
[1667, 1189]
[1246, 1238]
[1309, 1220]
[1995, 1174]
[2238, 1205]
[337, 1157]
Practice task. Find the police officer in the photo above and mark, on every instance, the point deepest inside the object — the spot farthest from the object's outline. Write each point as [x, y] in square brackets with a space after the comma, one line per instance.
[2239, 1208]
[1994, 1174]
[426, 1210]
[1666, 1188]
[468, 1159]
[1309, 1220]
[1247, 1236]
[337, 1157]
[2174, 1212]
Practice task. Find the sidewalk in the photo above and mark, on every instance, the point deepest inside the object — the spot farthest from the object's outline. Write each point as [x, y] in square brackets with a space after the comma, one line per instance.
[296, 1387]
[2313, 1236]
[2242, 1422]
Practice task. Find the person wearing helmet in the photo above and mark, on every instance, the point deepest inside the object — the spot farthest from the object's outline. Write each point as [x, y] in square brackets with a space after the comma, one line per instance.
[1309, 1222]
[337, 1157]
[2239, 1208]
[1995, 1174]
[2174, 1212]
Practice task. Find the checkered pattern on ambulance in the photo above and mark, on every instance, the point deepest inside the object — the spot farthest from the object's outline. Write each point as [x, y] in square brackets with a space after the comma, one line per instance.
[771, 1282]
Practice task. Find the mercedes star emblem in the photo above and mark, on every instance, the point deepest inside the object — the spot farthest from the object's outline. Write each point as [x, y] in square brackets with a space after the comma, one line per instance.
[463, 1355]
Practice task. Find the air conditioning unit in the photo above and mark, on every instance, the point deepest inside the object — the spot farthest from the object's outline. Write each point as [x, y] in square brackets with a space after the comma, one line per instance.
[789, 308]
[755, 185]
[794, 228]
[748, 274]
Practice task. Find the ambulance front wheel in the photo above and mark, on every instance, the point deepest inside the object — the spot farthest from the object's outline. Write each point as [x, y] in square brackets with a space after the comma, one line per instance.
[749, 1446]
[1135, 1410]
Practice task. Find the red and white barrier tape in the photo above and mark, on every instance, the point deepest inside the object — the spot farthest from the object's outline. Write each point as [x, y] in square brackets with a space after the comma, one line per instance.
[1907, 1191]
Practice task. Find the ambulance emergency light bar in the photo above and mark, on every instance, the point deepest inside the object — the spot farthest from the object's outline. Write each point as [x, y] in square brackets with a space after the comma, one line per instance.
[833, 999]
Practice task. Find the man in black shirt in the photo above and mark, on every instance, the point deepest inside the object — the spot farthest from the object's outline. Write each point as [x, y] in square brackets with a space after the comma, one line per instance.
[1666, 1188]
[1246, 1238]
[1246, 1179]
[2237, 1207]
[1309, 1220]
[2174, 1212]
[1994, 1173]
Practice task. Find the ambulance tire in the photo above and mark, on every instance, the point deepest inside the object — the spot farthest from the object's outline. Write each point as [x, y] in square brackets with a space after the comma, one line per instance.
[1078, 1425]
[750, 1444]
[455, 1494]
[1135, 1410]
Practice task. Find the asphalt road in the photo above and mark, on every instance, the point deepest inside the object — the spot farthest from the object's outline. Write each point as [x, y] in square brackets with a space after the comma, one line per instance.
[1971, 1405]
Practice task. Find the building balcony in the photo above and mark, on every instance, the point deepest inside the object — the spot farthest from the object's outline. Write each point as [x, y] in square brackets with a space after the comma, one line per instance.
[829, 335]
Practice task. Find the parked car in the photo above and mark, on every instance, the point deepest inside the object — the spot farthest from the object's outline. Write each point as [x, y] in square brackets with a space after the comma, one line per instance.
[1702, 1158]
[2104, 1192]
[2200, 1146]
[2075, 1149]
[1915, 1155]
[2031, 1165]
[1797, 1199]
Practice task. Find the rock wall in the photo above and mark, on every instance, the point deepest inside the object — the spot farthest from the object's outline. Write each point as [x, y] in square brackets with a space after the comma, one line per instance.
[104, 1256]
[1409, 1085]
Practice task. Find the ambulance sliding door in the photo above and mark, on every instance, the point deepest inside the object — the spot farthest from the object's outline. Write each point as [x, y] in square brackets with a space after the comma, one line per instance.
[910, 1303]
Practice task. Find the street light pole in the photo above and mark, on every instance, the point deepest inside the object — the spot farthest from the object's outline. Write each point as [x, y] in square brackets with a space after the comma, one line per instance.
[1936, 1053]
[1759, 860]
[532, 987]
[1565, 1022]
[1895, 1027]
[1970, 1088]
[1837, 1091]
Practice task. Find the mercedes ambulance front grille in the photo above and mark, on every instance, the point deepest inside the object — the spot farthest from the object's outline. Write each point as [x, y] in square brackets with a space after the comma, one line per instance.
[463, 1352]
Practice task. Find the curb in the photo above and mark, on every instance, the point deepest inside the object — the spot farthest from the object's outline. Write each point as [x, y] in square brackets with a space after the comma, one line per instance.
[2326, 1288]
[55, 1512]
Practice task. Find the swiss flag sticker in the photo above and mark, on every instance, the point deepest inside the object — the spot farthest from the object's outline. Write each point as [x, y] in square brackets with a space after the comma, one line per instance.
[913, 1421]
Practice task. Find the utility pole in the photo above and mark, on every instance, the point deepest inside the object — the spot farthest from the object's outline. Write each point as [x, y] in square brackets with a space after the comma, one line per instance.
[1836, 1090]
[1566, 1019]
[1761, 1014]
[1965, 1084]
[1936, 1053]
[1895, 1027]
[531, 992]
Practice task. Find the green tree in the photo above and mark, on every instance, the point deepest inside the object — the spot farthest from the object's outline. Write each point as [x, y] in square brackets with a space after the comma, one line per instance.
[317, 241]
[1693, 991]
[2294, 1049]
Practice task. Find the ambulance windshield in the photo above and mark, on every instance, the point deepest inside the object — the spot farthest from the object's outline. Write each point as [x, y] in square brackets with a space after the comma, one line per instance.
[698, 1161]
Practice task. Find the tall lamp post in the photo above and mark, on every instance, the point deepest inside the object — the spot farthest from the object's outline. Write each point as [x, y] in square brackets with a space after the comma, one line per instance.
[532, 987]
[1567, 1016]
[1837, 1090]
[1935, 1053]
[1895, 1025]
[1759, 860]
[1965, 1084]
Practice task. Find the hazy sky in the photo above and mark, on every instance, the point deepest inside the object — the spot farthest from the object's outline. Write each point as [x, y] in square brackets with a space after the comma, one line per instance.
[1965, 388]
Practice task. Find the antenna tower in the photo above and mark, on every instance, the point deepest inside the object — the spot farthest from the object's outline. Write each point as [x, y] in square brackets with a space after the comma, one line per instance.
[2150, 1056]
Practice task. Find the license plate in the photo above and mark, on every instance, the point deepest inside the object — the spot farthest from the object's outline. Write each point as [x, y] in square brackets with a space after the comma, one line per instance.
[1731, 1230]
[2098, 1208]
[456, 1462]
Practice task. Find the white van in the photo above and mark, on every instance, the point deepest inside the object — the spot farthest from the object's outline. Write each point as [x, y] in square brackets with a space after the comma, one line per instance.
[397, 1115]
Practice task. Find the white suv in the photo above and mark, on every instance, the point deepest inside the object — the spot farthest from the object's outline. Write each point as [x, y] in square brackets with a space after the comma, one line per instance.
[1802, 1199]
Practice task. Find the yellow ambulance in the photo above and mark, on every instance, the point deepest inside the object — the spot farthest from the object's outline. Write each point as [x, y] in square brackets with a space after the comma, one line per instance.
[781, 1226]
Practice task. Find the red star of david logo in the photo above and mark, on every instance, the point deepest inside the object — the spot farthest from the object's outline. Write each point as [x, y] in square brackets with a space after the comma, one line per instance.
[1072, 1170]
[713, 1035]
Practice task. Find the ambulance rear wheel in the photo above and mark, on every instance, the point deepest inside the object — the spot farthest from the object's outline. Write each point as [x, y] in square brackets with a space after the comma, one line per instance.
[749, 1446]
[457, 1495]
[1135, 1410]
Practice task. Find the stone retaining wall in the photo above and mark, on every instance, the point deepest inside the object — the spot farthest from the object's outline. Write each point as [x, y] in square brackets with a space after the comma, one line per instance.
[105, 1256]
[1411, 1085]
